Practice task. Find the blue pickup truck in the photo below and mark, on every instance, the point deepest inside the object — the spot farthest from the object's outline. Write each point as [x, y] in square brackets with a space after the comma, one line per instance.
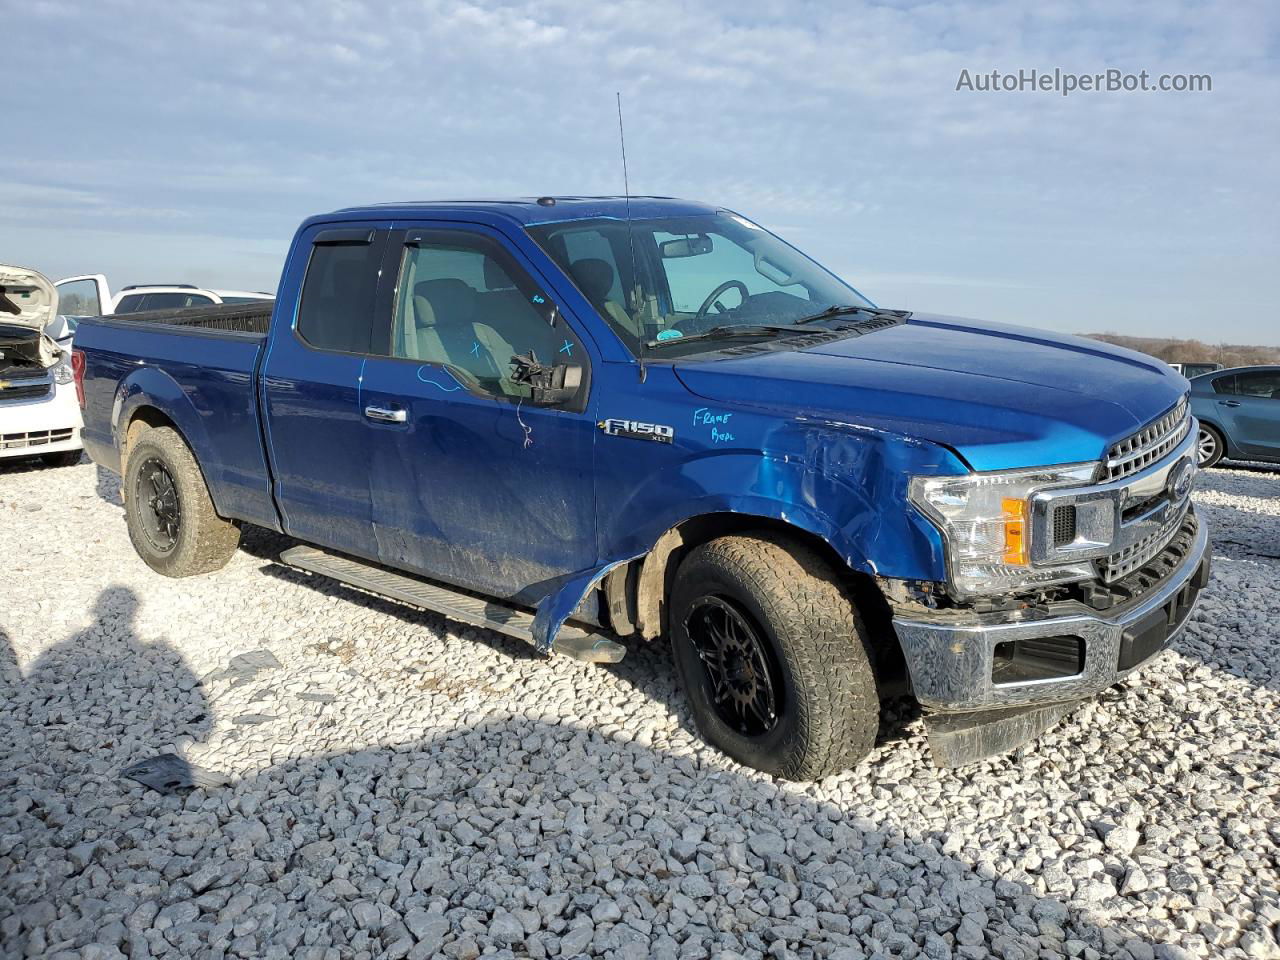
[591, 422]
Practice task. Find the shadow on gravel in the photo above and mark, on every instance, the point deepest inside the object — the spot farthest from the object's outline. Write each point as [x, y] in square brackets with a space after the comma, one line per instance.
[107, 486]
[509, 831]
[646, 667]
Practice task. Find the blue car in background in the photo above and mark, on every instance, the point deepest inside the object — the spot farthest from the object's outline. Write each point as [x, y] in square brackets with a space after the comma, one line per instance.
[1239, 414]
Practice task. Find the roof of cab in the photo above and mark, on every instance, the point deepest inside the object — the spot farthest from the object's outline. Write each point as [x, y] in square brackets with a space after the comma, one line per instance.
[530, 210]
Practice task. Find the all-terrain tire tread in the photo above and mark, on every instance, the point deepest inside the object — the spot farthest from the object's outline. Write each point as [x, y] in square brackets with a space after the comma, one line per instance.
[825, 646]
[207, 541]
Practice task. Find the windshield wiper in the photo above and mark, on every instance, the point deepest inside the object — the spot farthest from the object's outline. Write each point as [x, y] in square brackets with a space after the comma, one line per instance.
[840, 311]
[727, 330]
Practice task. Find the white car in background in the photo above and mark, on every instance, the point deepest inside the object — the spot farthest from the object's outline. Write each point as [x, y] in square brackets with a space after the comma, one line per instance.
[39, 410]
[90, 296]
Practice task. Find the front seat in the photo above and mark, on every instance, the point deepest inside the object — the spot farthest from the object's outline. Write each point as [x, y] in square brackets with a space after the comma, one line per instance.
[595, 279]
[447, 332]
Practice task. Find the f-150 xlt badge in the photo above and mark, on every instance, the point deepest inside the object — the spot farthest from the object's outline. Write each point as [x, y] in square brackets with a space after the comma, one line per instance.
[637, 430]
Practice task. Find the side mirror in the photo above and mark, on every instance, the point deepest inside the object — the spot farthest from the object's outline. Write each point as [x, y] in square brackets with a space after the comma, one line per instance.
[694, 246]
[548, 385]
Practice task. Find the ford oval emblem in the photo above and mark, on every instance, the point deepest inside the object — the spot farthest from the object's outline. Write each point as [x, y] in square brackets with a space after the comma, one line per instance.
[1180, 479]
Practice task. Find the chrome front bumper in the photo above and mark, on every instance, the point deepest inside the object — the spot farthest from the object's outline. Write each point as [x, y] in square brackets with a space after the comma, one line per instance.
[952, 658]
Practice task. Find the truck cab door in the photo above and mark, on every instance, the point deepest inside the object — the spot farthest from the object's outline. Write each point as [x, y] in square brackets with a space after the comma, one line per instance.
[84, 296]
[316, 438]
[478, 479]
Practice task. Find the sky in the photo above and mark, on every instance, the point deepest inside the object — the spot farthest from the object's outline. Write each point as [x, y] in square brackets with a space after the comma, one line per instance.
[184, 141]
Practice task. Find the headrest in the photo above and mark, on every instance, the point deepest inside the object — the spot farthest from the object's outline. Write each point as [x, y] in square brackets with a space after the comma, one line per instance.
[495, 278]
[451, 301]
[595, 277]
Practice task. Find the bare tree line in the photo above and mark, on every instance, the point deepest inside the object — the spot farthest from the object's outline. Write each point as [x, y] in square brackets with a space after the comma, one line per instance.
[1192, 351]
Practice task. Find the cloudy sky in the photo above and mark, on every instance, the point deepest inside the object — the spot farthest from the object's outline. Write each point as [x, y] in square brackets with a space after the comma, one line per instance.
[183, 141]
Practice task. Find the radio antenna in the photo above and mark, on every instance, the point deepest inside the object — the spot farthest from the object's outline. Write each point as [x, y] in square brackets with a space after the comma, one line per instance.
[631, 240]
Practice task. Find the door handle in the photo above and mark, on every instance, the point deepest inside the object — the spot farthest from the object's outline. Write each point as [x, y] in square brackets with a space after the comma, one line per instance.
[385, 414]
[1229, 403]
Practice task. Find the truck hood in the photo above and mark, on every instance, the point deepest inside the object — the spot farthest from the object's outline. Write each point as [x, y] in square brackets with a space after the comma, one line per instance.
[27, 298]
[1001, 396]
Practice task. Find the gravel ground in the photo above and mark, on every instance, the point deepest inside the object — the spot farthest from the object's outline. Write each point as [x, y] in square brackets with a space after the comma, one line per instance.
[401, 786]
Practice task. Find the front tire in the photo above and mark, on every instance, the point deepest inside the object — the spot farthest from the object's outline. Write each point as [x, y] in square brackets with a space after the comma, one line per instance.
[1211, 446]
[773, 657]
[171, 519]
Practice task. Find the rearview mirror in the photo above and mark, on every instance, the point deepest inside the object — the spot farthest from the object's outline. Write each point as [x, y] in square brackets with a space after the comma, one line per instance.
[694, 246]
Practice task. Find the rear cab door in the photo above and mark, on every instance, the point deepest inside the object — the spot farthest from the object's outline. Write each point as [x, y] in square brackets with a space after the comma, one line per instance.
[323, 329]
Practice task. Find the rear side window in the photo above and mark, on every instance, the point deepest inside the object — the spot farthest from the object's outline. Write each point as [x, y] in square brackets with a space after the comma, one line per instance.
[337, 307]
[130, 303]
[172, 301]
[1264, 383]
[1225, 384]
[134, 302]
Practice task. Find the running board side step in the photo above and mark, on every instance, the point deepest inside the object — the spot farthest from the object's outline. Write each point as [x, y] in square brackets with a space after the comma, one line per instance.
[571, 641]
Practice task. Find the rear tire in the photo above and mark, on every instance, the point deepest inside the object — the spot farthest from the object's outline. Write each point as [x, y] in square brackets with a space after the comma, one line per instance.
[66, 458]
[820, 712]
[170, 516]
[1211, 446]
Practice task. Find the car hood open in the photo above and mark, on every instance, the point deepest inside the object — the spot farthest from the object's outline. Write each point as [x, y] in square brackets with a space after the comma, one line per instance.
[27, 298]
[28, 305]
[1001, 396]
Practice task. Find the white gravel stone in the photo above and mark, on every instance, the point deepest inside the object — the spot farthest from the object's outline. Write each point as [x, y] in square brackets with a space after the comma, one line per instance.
[401, 786]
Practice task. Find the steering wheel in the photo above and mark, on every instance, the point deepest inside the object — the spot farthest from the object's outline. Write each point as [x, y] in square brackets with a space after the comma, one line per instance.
[717, 293]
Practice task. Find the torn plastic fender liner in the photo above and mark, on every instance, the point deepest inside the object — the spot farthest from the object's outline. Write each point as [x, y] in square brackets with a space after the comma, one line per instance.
[555, 608]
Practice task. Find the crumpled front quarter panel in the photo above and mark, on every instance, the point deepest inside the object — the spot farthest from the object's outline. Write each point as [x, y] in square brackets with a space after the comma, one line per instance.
[844, 483]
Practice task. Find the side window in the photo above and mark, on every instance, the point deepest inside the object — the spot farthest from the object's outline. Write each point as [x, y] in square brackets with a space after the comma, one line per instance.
[692, 278]
[78, 299]
[130, 303]
[591, 245]
[174, 300]
[1264, 383]
[1225, 384]
[336, 310]
[464, 302]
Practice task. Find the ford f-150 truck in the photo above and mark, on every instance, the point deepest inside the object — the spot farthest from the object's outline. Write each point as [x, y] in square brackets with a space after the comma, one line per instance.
[581, 421]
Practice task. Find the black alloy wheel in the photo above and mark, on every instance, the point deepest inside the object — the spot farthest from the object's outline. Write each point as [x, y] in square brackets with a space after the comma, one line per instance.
[158, 506]
[745, 682]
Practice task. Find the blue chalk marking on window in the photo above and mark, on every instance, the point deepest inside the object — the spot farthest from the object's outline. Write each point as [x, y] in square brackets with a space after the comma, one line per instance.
[539, 298]
[567, 348]
[475, 349]
[440, 386]
[669, 335]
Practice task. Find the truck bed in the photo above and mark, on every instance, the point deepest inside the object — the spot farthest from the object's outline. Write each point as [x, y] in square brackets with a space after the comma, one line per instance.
[198, 364]
[253, 318]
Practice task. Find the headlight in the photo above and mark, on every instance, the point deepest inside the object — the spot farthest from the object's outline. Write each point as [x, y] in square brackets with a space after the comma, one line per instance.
[62, 372]
[985, 519]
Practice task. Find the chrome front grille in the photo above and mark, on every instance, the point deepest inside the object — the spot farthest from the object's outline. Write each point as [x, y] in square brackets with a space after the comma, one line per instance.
[1137, 554]
[1150, 444]
[34, 438]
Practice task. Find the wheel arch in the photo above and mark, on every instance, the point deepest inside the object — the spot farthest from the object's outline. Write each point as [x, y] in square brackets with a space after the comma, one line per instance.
[637, 593]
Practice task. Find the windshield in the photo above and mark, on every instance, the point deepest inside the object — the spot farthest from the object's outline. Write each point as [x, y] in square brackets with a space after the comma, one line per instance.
[690, 275]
